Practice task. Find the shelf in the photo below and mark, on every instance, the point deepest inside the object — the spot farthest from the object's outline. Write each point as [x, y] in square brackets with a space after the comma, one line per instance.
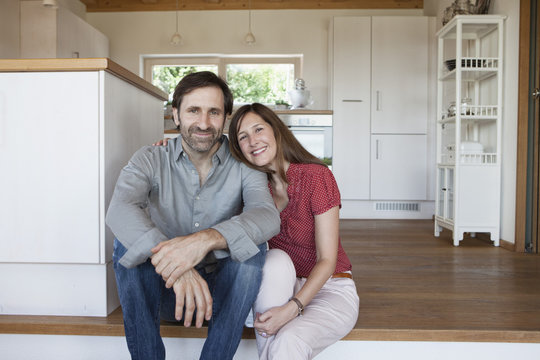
[468, 119]
[477, 113]
[469, 169]
[449, 159]
[473, 26]
[446, 222]
[472, 69]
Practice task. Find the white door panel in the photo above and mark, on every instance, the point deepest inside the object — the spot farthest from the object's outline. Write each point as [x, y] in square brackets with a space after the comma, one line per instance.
[398, 167]
[351, 100]
[49, 155]
[399, 75]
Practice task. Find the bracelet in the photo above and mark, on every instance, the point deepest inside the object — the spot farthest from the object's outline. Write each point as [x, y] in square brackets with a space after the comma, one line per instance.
[299, 304]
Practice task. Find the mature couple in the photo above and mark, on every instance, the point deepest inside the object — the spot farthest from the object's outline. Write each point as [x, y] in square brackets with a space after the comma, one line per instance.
[192, 219]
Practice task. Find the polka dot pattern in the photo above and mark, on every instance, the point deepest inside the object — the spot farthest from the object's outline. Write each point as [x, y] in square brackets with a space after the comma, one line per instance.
[312, 191]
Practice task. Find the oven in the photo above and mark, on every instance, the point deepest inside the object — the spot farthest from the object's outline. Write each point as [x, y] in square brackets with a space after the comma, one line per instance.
[313, 131]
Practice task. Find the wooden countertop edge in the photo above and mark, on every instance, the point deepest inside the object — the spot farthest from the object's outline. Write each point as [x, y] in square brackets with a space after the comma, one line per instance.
[86, 64]
[304, 112]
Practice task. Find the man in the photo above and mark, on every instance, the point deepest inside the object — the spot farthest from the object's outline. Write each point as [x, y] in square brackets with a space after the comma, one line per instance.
[191, 225]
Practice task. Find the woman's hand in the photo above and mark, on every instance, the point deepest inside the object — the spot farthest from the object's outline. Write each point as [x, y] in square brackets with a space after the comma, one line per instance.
[162, 142]
[269, 322]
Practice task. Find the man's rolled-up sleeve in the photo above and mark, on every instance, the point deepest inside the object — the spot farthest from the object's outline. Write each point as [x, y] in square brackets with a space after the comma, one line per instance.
[258, 222]
[127, 216]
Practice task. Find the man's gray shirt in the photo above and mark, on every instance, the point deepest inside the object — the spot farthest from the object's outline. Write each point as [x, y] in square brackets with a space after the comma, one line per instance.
[158, 197]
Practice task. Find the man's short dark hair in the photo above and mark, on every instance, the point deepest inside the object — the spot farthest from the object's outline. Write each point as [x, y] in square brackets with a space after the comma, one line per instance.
[202, 79]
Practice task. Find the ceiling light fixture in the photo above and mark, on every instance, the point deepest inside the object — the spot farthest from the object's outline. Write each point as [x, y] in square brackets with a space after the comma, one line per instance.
[176, 39]
[249, 39]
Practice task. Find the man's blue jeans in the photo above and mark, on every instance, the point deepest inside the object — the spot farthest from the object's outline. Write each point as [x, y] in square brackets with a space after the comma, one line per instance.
[145, 301]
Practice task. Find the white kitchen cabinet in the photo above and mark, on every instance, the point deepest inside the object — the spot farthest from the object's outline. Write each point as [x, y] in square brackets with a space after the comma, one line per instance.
[379, 97]
[67, 127]
[399, 51]
[351, 99]
[398, 167]
[469, 124]
[445, 207]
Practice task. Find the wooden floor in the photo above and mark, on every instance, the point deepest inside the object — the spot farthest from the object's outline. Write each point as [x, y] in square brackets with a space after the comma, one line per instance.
[412, 287]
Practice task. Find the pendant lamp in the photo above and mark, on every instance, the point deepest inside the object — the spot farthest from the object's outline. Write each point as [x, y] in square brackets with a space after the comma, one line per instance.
[176, 39]
[249, 39]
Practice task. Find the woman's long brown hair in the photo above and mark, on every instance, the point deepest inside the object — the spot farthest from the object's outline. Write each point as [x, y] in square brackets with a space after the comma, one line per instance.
[288, 147]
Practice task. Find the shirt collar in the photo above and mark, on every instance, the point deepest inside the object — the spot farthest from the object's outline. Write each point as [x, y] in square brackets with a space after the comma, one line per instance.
[221, 153]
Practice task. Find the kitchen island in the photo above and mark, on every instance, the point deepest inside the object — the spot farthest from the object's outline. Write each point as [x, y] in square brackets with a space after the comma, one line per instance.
[67, 127]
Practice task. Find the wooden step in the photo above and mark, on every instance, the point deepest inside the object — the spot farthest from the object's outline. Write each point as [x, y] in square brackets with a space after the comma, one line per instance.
[412, 287]
[112, 325]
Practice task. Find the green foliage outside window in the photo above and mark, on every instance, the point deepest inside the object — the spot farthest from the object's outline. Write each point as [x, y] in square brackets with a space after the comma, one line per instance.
[264, 83]
[167, 77]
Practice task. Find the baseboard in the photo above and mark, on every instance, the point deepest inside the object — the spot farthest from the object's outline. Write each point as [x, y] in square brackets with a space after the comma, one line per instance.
[507, 245]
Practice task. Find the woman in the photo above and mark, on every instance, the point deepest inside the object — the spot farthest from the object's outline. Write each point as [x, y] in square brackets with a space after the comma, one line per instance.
[307, 272]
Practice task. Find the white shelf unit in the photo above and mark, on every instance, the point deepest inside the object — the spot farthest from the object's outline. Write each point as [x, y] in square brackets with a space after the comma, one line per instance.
[470, 66]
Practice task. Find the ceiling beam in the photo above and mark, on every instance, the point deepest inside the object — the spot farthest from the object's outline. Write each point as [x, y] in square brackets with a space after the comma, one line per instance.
[168, 5]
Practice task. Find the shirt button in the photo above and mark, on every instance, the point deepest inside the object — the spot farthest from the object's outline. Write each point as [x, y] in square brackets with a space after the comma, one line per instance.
[197, 197]
[193, 171]
[196, 224]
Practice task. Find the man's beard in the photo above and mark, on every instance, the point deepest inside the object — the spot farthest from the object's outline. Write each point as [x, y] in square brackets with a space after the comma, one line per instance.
[200, 145]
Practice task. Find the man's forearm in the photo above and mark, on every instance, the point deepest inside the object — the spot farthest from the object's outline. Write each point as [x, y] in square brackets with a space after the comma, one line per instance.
[211, 238]
[174, 257]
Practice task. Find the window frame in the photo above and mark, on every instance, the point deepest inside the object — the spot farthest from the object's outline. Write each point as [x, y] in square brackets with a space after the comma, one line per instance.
[221, 60]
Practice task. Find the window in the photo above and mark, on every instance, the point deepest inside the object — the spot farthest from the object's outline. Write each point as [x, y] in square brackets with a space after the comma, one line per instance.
[166, 77]
[264, 79]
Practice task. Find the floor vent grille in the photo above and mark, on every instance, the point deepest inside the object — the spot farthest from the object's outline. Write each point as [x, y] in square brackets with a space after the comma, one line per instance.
[397, 206]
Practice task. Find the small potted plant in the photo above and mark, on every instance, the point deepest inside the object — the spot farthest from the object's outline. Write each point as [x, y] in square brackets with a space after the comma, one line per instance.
[281, 105]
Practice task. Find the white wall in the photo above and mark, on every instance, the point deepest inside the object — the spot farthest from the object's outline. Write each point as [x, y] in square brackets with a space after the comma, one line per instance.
[510, 114]
[9, 29]
[19, 37]
[55, 347]
[208, 32]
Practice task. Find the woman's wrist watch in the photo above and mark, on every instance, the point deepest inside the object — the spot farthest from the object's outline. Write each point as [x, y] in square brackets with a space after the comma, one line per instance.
[299, 304]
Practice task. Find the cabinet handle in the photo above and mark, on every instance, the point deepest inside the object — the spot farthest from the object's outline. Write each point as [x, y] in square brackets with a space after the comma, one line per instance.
[350, 100]
[378, 96]
[376, 149]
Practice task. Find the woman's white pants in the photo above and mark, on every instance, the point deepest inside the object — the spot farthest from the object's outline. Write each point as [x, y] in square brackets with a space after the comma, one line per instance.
[330, 316]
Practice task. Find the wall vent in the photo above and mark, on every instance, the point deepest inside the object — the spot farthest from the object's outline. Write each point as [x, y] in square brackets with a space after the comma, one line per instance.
[397, 206]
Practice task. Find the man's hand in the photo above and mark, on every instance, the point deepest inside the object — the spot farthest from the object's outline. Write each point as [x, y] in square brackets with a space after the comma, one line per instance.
[162, 142]
[192, 292]
[174, 257]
